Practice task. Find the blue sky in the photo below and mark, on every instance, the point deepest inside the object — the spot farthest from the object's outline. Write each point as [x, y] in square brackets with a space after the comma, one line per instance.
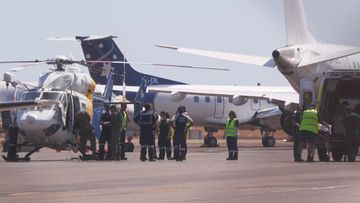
[240, 26]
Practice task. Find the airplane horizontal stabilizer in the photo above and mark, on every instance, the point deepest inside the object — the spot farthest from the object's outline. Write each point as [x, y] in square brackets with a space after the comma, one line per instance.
[254, 60]
[328, 57]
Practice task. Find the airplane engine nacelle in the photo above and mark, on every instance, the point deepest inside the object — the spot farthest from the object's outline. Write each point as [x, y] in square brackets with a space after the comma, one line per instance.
[239, 100]
[177, 96]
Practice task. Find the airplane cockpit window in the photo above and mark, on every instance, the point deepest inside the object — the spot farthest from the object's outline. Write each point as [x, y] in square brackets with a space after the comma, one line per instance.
[196, 99]
[50, 95]
[207, 99]
[30, 96]
[219, 99]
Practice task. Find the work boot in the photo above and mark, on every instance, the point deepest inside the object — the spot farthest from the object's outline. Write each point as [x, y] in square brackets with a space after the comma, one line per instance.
[143, 153]
[235, 156]
[168, 154]
[229, 157]
[161, 154]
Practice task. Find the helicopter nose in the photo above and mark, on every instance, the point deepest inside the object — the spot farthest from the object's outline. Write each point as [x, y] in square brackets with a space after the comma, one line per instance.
[31, 118]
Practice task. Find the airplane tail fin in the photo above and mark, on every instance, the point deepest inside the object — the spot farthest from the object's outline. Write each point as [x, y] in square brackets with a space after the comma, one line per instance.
[297, 31]
[139, 100]
[100, 48]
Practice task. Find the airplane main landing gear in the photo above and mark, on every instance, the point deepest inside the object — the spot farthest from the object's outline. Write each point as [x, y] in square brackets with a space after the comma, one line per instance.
[210, 140]
[268, 139]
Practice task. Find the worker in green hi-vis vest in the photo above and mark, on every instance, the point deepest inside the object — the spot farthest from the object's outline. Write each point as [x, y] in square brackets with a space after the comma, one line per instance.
[231, 133]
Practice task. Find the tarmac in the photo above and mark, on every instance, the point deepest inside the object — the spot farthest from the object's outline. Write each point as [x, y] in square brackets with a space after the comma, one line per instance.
[260, 175]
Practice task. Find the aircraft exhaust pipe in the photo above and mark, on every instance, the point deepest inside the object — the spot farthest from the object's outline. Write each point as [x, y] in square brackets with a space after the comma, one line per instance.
[284, 60]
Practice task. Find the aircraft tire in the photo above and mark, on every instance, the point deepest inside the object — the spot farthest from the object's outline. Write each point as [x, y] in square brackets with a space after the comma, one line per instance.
[213, 141]
[268, 141]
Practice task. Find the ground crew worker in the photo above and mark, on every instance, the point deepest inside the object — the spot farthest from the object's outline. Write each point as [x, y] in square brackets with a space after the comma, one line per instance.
[13, 131]
[309, 128]
[164, 141]
[82, 123]
[105, 137]
[295, 125]
[147, 120]
[181, 122]
[115, 125]
[125, 120]
[231, 133]
[351, 122]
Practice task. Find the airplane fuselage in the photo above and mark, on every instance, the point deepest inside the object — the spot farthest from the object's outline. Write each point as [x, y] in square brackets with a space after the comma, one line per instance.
[288, 59]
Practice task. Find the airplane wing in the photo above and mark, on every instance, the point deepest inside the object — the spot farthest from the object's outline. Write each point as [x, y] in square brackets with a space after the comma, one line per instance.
[6, 106]
[254, 60]
[284, 95]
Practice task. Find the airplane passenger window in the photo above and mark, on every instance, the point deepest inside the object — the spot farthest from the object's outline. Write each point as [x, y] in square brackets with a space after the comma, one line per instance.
[219, 99]
[207, 99]
[196, 99]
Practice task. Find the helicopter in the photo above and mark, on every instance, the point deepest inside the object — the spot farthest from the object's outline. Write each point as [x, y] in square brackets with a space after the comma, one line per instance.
[44, 114]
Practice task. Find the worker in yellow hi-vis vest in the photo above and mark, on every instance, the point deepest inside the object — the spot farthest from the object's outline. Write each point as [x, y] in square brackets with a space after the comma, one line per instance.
[125, 120]
[231, 133]
[309, 128]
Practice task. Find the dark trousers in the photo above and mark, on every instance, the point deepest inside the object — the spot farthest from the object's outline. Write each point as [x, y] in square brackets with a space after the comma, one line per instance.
[352, 146]
[84, 136]
[105, 138]
[179, 147]
[297, 140]
[115, 145]
[13, 134]
[122, 143]
[147, 143]
[232, 145]
[164, 146]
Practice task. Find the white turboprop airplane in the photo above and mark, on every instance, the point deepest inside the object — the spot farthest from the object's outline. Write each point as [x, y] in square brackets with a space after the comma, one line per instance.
[208, 105]
[303, 60]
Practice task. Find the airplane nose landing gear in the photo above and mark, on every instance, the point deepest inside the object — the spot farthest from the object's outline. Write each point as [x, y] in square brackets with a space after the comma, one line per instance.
[268, 139]
[210, 140]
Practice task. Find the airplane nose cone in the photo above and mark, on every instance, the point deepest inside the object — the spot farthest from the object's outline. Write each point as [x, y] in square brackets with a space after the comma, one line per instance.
[31, 118]
[276, 54]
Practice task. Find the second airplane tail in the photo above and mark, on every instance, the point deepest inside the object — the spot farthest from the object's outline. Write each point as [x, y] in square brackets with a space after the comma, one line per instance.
[105, 49]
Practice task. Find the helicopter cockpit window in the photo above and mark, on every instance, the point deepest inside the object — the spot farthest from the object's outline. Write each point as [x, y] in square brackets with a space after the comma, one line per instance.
[50, 95]
[30, 96]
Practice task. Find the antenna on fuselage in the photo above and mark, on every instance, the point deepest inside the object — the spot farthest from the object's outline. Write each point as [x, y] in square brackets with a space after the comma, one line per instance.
[123, 81]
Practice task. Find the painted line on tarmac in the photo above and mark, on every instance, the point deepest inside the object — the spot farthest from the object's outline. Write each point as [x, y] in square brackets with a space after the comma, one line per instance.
[304, 189]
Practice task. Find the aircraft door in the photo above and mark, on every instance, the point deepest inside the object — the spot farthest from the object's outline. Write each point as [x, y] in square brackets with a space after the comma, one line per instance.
[307, 92]
[255, 104]
[219, 107]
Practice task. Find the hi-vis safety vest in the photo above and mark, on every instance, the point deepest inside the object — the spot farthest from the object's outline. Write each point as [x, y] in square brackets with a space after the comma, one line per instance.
[310, 121]
[231, 130]
[124, 120]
